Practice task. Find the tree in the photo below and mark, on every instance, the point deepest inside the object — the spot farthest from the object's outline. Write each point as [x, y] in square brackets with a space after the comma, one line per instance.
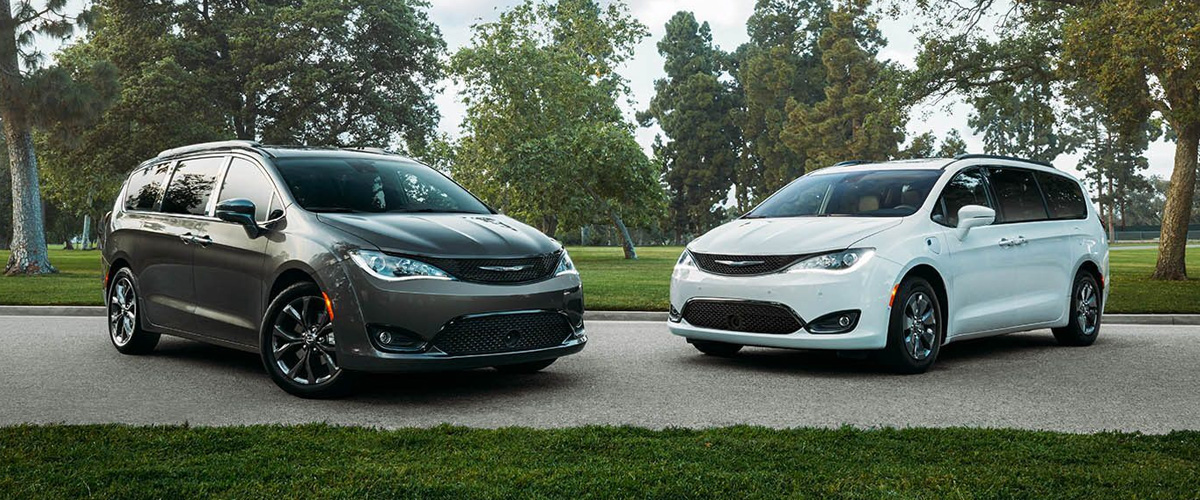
[314, 72]
[1142, 55]
[1018, 119]
[543, 137]
[860, 117]
[781, 64]
[952, 145]
[693, 107]
[32, 96]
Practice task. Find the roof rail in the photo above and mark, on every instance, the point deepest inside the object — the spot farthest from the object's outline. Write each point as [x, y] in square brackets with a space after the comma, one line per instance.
[207, 146]
[847, 163]
[378, 151]
[968, 156]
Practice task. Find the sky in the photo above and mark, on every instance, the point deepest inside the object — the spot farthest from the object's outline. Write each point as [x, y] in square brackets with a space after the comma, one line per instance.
[727, 20]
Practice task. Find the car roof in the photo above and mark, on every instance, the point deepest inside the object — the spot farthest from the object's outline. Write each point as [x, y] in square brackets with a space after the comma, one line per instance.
[914, 164]
[274, 151]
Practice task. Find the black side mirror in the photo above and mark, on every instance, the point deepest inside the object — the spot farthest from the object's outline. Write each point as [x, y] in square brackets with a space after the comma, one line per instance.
[239, 211]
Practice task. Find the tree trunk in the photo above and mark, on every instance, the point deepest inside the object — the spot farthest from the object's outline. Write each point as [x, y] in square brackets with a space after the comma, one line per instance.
[28, 245]
[1112, 203]
[626, 240]
[29, 255]
[1178, 210]
[550, 225]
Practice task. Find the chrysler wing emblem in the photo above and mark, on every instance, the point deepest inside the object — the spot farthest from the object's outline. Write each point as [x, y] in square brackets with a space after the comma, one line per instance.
[506, 269]
[740, 263]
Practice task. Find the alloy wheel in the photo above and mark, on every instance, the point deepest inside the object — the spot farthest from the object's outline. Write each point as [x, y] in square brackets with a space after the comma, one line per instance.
[920, 326]
[1087, 308]
[303, 343]
[122, 311]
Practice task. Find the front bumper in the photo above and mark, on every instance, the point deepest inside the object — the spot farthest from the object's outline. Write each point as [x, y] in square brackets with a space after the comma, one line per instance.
[810, 294]
[425, 308]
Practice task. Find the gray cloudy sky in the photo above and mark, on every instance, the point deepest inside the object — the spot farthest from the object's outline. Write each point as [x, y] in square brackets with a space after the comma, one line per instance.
[727, 19]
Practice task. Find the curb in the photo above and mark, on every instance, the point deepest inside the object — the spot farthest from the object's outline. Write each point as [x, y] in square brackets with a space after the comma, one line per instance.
[1112, 319]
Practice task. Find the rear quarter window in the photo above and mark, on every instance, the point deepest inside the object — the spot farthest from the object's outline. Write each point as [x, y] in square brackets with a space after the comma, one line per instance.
[1064, 197]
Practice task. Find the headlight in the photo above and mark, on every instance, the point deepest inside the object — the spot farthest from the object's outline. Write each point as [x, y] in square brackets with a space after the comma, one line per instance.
[685, 260]
[565, 265]
[389, 267]
[834, 261]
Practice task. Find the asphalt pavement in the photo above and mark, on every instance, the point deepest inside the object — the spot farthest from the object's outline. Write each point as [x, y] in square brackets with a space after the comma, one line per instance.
[1135, 378]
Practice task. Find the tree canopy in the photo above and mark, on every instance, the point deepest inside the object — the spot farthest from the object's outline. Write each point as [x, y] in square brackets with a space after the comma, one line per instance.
[544, 138]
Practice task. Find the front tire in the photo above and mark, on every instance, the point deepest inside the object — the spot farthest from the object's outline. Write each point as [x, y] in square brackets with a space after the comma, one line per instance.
[1084, 324]
[915, 329]
[124, 325]
[718, 349]
[298, 345]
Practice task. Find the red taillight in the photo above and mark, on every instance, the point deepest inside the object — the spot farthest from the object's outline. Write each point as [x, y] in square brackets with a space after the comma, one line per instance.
[328, 306]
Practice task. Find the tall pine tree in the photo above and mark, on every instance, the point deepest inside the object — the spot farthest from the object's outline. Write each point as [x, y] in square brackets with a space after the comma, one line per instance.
[861, 117]
[693, 107]
[780, 64]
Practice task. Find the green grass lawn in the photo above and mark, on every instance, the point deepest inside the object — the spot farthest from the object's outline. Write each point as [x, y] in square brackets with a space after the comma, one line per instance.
[317, 461]
[613, 283]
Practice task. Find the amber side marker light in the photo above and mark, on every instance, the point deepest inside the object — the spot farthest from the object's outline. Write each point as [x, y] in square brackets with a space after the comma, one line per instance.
[328, 306]
[892, 300]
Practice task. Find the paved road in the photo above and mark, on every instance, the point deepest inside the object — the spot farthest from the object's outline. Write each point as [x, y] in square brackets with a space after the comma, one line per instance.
[1146, 378]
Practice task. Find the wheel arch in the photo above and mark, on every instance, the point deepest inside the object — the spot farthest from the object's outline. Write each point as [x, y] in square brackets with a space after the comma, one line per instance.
[931, 274]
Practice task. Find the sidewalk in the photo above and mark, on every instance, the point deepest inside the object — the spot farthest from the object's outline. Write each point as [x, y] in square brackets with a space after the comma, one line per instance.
[1115, 319]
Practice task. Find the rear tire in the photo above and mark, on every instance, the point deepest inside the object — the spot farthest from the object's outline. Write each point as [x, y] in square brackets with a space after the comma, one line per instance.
[1084, 324]
[915, 329]
[526, 368]
[298, 345]
[718, 349]
[124, 320]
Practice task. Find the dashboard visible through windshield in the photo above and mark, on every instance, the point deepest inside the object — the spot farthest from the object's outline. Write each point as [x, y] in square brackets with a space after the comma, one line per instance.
[874, 193]
[354, 185]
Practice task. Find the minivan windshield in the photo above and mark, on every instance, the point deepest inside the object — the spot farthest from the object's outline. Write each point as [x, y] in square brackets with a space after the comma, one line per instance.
[872, 193]
[350, 184]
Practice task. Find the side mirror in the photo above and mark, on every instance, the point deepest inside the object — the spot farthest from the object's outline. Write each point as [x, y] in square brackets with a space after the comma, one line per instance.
[973, 216]
[239, 211]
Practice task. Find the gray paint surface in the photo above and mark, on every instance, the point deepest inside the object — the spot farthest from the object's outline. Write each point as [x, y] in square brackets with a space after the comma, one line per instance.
[1136, 378]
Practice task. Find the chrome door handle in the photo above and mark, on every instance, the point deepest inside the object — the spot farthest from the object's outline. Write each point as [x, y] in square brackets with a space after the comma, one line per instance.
[187, 238]
[1020, 241]
[203, 241]
[1006, 243]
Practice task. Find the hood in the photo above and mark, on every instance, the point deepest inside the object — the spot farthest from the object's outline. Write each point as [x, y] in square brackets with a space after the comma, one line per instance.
[445, 235]
[789, 235]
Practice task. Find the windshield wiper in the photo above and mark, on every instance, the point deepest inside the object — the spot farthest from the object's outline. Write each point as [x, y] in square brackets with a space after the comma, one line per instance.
[434, 211]
[332, 210]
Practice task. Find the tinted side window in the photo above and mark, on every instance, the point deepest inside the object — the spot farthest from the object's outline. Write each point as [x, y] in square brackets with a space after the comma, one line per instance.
[246, 180]
[191, 186]
[1017, 194]
[1063, 196]
[145, 187]
[966, 188]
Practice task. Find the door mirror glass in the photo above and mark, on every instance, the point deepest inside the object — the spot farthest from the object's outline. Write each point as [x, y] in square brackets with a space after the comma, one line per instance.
[239, 211]
[973, 216]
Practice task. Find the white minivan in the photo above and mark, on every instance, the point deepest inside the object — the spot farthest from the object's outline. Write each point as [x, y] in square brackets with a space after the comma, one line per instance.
[899, 258]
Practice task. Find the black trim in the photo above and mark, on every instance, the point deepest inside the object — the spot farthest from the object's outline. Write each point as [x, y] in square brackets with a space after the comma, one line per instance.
[848, 163]
[973, 156]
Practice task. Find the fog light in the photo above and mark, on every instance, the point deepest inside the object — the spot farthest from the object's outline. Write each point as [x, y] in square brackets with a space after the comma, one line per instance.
[390, 338]
[832, 323]
[673, 315]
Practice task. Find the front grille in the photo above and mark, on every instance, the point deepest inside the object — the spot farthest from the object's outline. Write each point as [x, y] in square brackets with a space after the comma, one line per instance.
[520, 270]
[743, 264]
[738, 316]
[503, 333]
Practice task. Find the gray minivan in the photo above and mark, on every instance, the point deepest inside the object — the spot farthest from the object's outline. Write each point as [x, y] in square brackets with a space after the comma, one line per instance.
[329, 262]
